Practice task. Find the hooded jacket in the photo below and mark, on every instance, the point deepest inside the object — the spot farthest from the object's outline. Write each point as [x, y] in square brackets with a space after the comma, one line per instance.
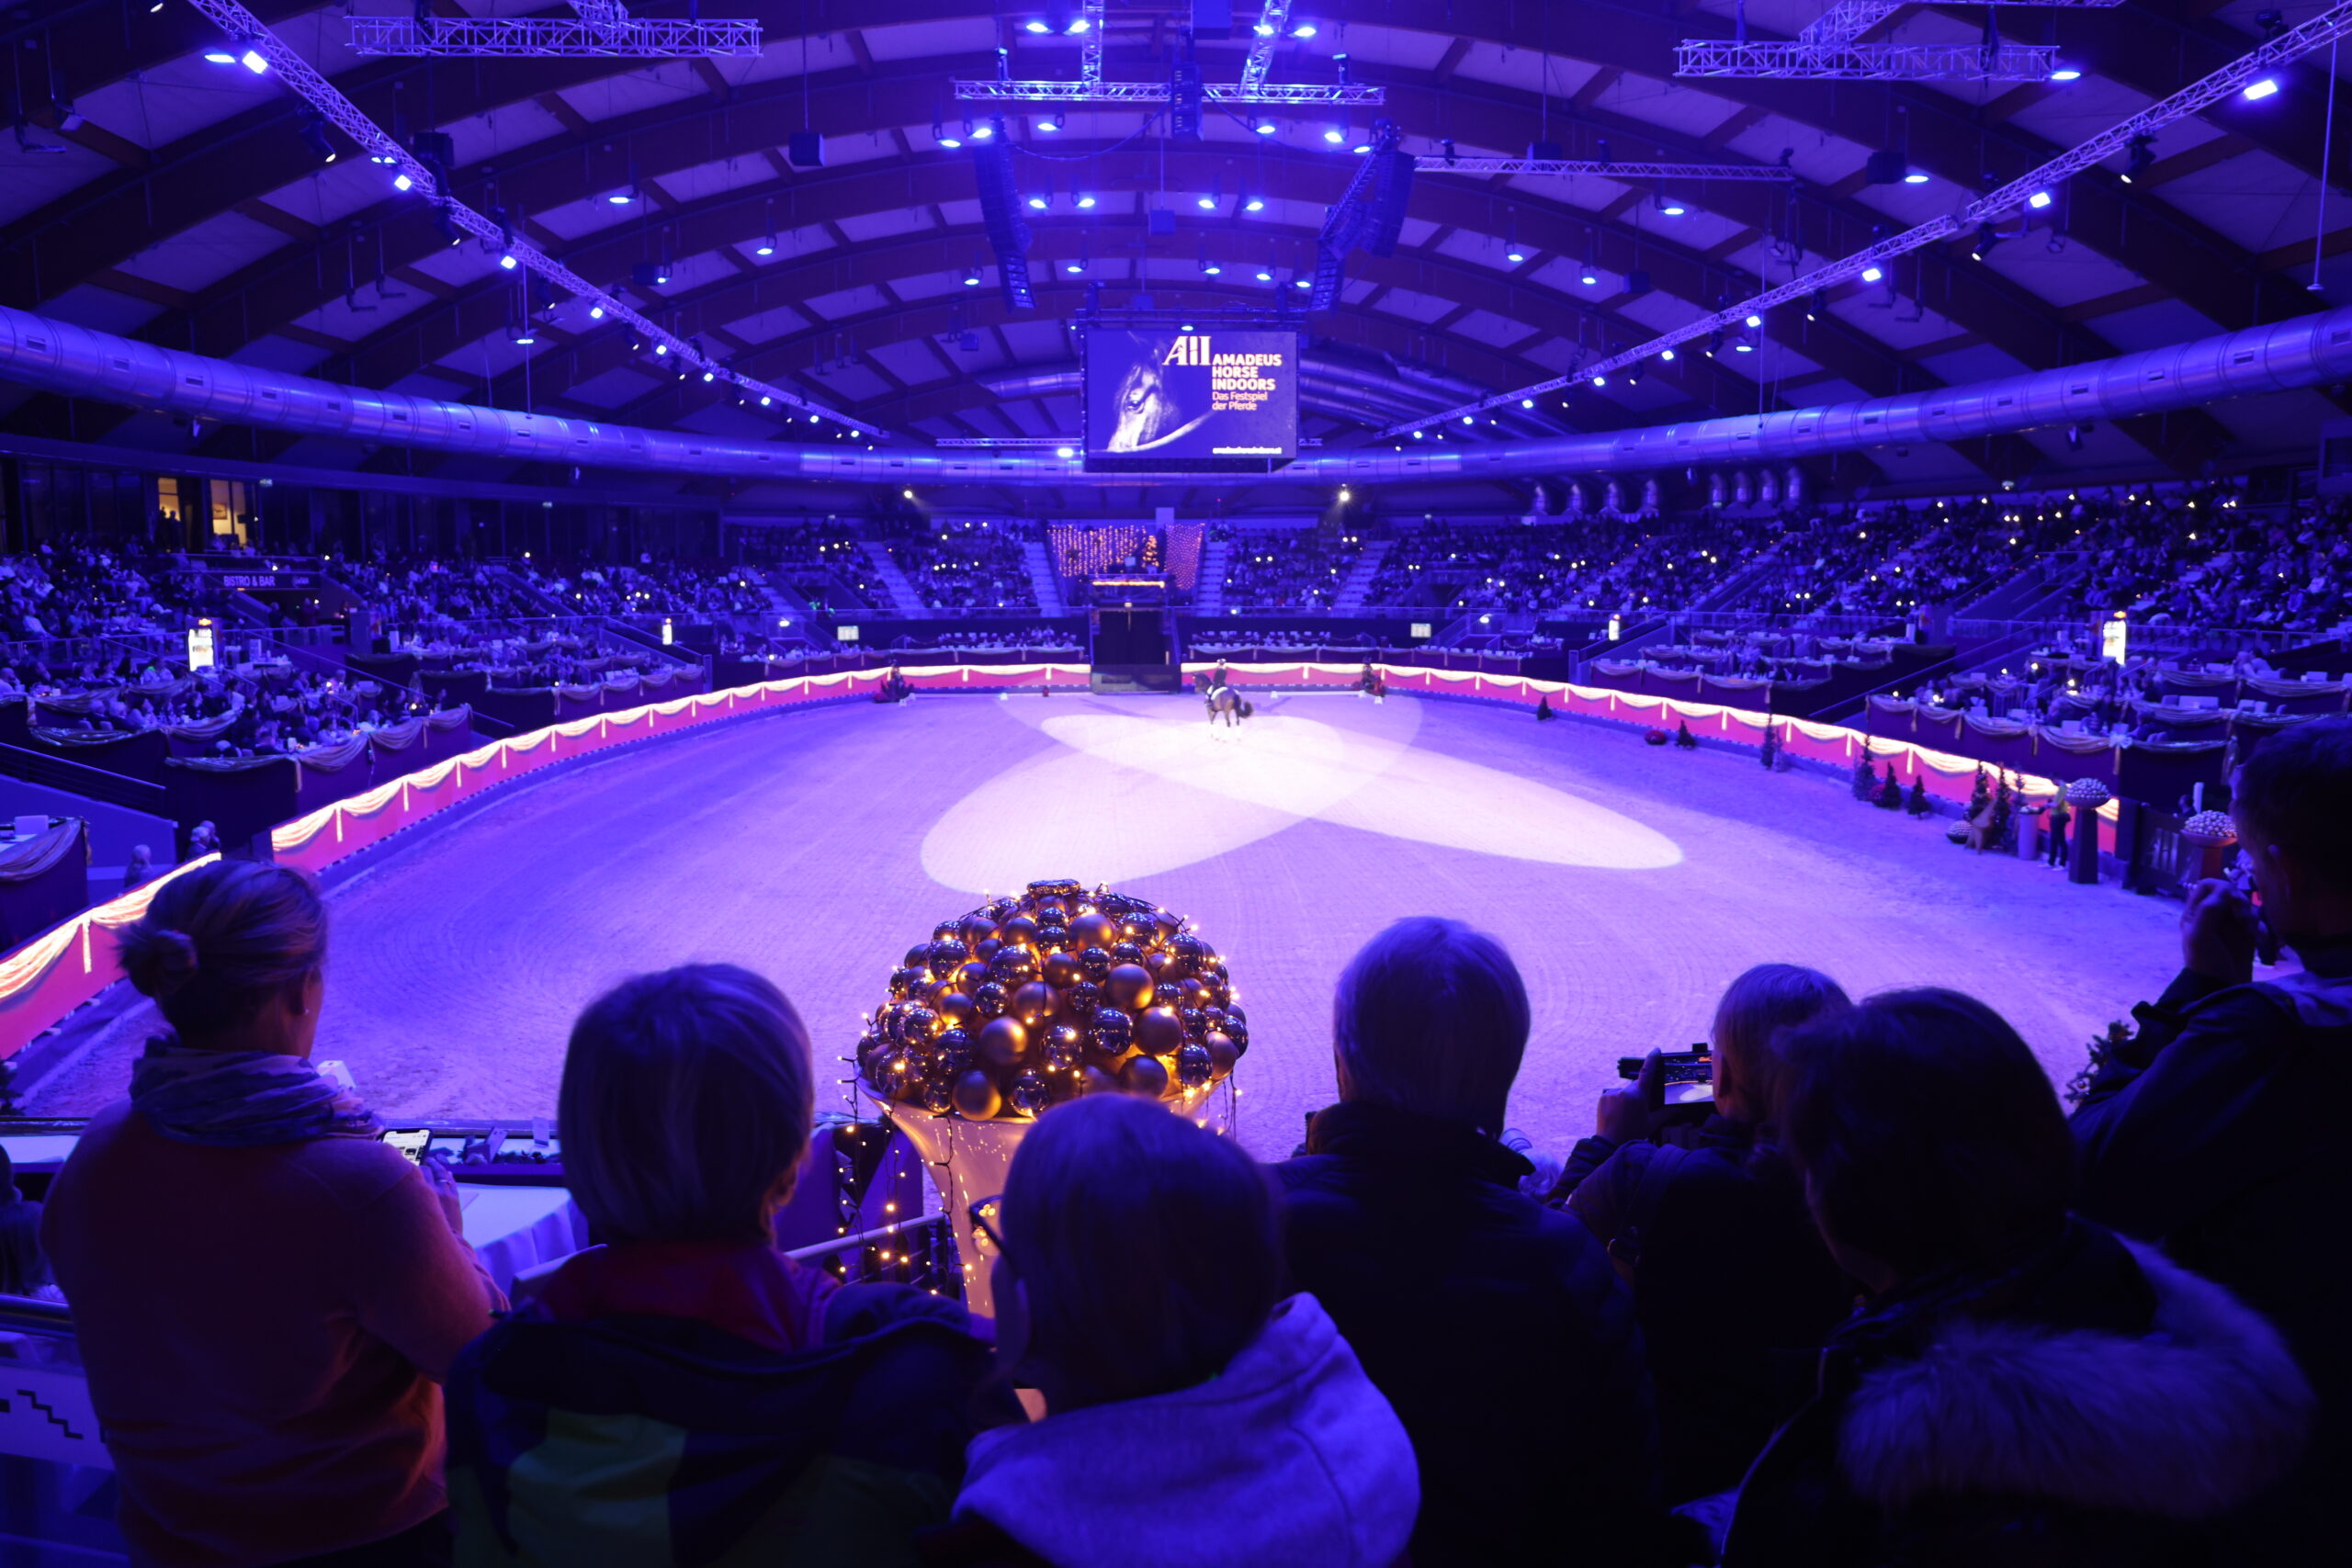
[2094, 1405]
[1287, 1458]
[687, 1404]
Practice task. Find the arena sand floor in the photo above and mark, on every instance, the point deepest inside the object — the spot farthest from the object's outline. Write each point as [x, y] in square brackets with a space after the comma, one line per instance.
[1630, 882]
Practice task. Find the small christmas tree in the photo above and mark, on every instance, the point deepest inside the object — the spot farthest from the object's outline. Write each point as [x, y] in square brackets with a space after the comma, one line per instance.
[1916, 803]
[1683, 738]
[1865, 777]
[1997, 829]
[1980, 793]
[1890, 794]
[1543, 710]
[1771, 749]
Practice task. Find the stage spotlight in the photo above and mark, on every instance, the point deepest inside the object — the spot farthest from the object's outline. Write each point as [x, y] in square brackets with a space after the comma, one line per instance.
[2038, 201]
[709, 376]
[766, 247]
[1035, 27]
[1872, 275]
[1755, 321]
[661, 348]
[1666, 355]
[1527, 402]
[1303, 30]
[1264, 128]
[1600, 380]
[1211, 270]
[1360, 148]
[1039, 202]
[2258, 91]
[1916, 177]
[314, 136]
[1253, 204]
[2141, 154]
[257, 63]
[1051, 120]
[1264, 275]
[1082, 201]
[1515, 255]
[220, 56]
[401, 182]
[623, 198]
[2065, 73]
[1986, 240]
[971, 278]
[1076, 25]
[1075, 266]
[1335, 137]
[1205, 203]
[1589, 278]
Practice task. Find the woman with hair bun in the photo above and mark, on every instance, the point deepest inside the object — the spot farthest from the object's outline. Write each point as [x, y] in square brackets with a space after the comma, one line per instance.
[267, 1294]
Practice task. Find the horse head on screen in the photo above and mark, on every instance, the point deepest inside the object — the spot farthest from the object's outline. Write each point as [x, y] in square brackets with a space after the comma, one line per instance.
[1148, 411]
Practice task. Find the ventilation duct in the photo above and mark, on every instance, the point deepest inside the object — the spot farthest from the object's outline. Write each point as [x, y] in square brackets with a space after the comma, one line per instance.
[78, 362]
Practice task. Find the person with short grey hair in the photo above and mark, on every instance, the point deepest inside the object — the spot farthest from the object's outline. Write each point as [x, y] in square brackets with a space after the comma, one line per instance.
[685, 1114]
[1495, 1325]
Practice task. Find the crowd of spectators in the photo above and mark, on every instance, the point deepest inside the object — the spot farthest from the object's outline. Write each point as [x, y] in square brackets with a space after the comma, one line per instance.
[1882, 1299]
[825, 563]
[73, 587]
[2199, 557]
[420, 596]
[676, 589]
[960, 565]
[247, 709]
[1287, 568]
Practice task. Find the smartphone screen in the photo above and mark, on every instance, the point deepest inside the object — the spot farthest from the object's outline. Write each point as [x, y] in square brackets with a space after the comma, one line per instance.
[410, 1144]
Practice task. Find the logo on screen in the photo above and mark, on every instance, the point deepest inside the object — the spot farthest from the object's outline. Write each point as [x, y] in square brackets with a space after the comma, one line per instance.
[1189, 351]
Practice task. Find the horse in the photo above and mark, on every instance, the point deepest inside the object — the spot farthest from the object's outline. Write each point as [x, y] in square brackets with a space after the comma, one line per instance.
[1226, 701]
[1148, 414]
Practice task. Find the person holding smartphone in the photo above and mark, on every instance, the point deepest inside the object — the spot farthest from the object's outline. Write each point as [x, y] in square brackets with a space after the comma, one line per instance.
[267, 1294]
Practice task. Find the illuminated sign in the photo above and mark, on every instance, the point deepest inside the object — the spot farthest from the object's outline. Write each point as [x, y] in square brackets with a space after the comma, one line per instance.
[199, 645]
[2114, 636]
[845, 634]
[1215, 401]
[1422, 629]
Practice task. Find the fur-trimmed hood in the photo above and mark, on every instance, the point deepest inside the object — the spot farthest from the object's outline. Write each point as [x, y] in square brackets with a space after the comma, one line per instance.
[2188, 1422]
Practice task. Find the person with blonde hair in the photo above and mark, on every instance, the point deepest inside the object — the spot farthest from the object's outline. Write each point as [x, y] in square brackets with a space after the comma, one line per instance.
[682, 1391]
[264, 1292]
[1707, 1224]
[1194, 1413]
[1494, 1325]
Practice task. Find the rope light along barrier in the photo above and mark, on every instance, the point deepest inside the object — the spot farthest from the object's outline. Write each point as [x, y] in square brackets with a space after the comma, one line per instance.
[71, 963]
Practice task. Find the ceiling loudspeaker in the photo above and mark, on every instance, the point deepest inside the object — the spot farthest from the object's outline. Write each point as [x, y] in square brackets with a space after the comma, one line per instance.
[805, 149]
[1212, 18]
[1001, 217]
[1392, 188]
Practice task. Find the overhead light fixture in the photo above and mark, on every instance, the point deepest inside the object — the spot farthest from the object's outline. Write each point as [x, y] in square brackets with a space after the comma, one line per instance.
[2258, 91]
[709, 376]
[1074, 266]
[2037, 200]
[766, 247]
[1514, 256]
[1051, 120]
[1040, 201]
[623, 198]
[1211, 270]
[951, 142]
[1205, 203]
[971, 278]
[595, 312]
[1303, 30]
[1872, 275]
[1253, 204]
[1035, 27]
[401, 182]
[765, 400]
[1588, 278]
[1667, 355]
[1360, 148]
[1264, 128]
[1264, 275]
[1527, 402]
[2065, 73]
[257, 63]
[1986, 238]
[220, 56]
[1087, 200]
[2141, 154]
[982, 132]
[661, 348]
[507, 261]
[523, 338]
[1600, 380]
[1916, 177]
[1077, 25]
[1304, 283]
[1755, 321]
[1743, 348]
[1335, 136]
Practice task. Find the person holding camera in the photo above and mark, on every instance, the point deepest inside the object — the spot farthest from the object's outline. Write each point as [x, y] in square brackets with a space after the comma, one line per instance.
[1705, 1220]
[2216, 1130]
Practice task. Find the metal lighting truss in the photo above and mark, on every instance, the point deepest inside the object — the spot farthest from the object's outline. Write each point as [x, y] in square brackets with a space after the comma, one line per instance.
[1254, 87]
[1867, 61]
[604, 29]
[1438, 164]
[1345, 92]
[1263, 38]
[298, 75]
[1831, 49]
[1090, 52]
[2248, 68]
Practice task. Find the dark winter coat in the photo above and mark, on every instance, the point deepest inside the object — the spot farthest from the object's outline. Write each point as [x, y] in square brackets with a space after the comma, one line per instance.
[1732, 1286]
[2093, 1406]
[1495, 1325]
[2219, 1132]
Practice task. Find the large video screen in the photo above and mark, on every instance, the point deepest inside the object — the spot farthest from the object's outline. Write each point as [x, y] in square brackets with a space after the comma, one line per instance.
[1210, 400]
